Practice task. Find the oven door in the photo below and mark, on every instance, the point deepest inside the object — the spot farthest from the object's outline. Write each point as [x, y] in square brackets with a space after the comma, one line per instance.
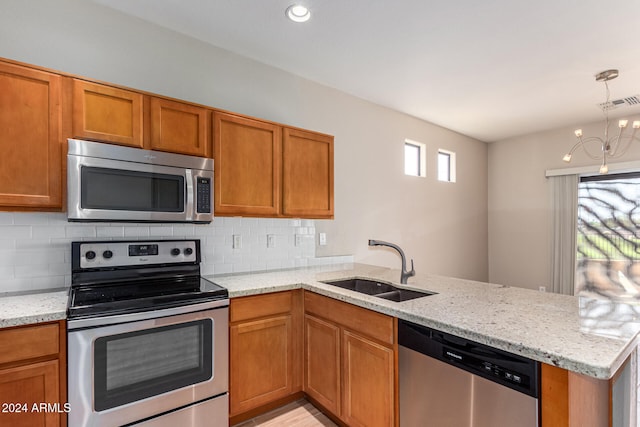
[133, 371]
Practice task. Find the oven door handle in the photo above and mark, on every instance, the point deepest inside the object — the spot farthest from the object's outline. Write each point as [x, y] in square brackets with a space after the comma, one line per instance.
[76, 324]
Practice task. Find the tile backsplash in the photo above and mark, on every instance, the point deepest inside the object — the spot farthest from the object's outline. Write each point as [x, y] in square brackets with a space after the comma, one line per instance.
[35, 248]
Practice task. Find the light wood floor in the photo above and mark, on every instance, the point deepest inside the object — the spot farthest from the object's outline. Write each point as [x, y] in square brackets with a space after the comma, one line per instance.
[300, 413]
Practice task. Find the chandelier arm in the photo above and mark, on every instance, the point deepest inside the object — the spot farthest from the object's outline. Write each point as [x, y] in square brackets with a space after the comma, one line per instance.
[612, 146]
[590, 139]
[622, 146]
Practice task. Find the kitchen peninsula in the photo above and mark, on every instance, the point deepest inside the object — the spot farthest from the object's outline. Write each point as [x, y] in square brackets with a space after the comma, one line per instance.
[548, 328]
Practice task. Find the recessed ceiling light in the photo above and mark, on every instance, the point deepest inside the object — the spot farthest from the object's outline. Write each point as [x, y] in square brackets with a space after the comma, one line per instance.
[298, 13]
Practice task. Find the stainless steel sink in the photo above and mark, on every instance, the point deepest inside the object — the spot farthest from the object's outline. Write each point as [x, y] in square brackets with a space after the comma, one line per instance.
[378, 289]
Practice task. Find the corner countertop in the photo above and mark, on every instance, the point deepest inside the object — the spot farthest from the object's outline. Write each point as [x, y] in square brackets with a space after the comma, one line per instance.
[560, 330]
[18, 309]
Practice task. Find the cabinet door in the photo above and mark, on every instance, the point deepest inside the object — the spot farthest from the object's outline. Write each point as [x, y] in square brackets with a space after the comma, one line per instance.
[30, 138]
[322, 363]
[307, 174]
[177, 127]
[247, 166]
[367, 381]
[261, 362]
[105, 113]
[30, 385]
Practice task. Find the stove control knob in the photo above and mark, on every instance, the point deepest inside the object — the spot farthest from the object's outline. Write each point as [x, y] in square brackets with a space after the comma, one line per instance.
[107, 254]
[175, 251]
[188, 251]
[90, 255]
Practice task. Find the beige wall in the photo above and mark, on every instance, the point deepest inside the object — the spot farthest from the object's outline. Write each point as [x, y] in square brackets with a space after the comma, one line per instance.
[520, 201]
[443, 226]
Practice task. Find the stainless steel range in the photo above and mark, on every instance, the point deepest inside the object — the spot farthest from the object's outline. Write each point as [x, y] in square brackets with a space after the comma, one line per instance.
[147, 336]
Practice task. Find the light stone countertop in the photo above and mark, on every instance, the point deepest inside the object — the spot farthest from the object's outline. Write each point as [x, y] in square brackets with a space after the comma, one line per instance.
[23, 309]
[585, 335]
[549, 328]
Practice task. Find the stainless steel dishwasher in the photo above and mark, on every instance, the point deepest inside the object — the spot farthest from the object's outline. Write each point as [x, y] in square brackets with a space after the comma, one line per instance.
[447, 381]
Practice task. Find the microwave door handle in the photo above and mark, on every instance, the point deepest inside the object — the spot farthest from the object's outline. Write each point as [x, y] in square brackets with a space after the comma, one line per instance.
[190, 181]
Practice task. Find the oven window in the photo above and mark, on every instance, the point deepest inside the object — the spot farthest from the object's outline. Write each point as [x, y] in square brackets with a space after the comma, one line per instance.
[115, 189]
[136, 365]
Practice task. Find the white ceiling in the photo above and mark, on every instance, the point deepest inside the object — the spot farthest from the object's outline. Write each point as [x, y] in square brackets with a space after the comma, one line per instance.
[491, 70]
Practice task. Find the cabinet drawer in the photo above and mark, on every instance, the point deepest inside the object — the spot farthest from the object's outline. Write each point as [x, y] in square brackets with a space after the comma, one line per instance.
[257, 306]
[367, 322]
[28, 342]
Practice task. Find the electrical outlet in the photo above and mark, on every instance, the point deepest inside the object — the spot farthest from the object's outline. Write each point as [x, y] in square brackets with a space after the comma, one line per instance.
[542, 289]
[298, 240]
[322, 239]
[237, 241]
[271, 240]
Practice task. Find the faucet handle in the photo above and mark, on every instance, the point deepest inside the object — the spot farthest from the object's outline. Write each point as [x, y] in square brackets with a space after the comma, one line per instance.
[412, 272]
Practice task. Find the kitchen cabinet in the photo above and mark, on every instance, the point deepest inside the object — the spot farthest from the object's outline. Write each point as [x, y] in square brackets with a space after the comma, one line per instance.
[126, 117]
[33, 375]
[265, 352]
[178, 127]
[356, 349]
[30, 139]
[106, 113]
[264, 169]
[570, 399]
[307, 174]
[322, 362]
[247, 156]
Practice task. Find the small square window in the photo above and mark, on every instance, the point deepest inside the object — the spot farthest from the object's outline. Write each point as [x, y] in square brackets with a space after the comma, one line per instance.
[446, 166]
[414, 158]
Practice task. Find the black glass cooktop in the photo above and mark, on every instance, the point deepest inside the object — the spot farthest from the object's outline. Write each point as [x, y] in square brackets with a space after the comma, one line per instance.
[141, 295]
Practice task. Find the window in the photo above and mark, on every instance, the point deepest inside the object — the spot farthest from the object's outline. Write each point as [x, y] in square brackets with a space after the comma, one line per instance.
[608, 234]
[414, 158]
[446, 166]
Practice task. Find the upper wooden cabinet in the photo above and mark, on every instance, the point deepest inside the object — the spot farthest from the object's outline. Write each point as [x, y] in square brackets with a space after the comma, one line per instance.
[105, 113]
[307, 174]
[247, 156]
[263, 169]
[124, 117]
[30, 138]
[179, 128]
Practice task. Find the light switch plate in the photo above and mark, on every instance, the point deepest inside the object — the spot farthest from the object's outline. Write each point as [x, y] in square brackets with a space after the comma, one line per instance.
[322, 239]
[271, 240]
[237, 241]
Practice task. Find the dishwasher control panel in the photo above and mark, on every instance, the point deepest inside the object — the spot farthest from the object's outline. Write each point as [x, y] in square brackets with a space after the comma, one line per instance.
[511, 370]
[484, 366]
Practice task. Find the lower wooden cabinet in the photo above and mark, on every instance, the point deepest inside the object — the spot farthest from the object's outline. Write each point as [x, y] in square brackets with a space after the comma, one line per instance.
[33, 375]
[351, 362]
[343, 357]
[265, 350]
[570, 399]
[322, 362]
[368, 381]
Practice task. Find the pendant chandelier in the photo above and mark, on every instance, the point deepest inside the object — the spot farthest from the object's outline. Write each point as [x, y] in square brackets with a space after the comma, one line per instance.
[609, 147]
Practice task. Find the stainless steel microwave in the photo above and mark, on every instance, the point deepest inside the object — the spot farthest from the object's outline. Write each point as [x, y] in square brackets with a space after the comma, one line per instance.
[114, 183]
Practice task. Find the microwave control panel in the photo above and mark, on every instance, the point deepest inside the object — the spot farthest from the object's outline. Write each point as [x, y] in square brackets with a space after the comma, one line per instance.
[203, 195]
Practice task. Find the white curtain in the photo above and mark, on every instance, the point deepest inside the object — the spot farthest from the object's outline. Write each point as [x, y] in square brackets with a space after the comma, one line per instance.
[564, 223]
